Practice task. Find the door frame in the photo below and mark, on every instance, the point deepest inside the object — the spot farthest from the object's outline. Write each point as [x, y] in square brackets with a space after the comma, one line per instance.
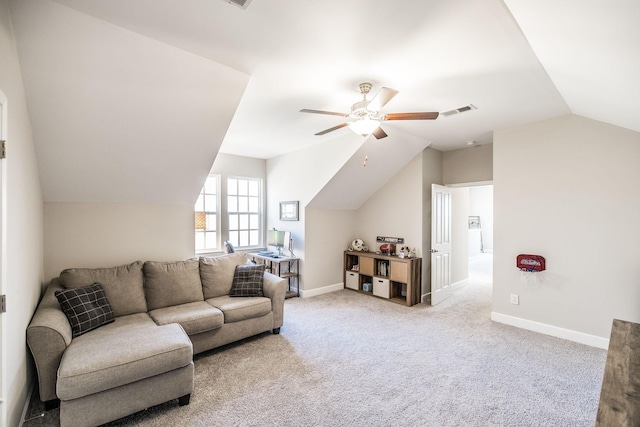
[3, 258]
[455, 259]
[440, 251]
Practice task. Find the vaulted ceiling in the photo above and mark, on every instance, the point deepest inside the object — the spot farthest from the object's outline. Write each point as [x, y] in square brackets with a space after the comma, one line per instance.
[130, 100]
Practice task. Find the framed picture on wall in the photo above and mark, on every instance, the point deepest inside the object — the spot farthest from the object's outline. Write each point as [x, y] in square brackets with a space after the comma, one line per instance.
[289, 211]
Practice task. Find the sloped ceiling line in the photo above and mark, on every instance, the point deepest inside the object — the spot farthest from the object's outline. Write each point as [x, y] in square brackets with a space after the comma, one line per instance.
[150, 98]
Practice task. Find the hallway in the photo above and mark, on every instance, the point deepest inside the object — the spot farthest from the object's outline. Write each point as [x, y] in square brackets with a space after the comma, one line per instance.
[481, 269]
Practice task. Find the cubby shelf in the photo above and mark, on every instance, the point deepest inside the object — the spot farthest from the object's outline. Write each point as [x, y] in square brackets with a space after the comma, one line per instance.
[390, 277]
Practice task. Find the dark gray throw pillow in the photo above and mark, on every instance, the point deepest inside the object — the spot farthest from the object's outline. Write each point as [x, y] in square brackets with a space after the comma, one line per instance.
[247, 281]
[86, 308]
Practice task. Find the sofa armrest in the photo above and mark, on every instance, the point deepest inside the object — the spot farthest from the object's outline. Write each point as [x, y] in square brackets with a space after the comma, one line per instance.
[275, 287]
[48, 336]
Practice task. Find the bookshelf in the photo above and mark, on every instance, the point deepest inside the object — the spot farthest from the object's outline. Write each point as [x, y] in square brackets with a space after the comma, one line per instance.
[384, 276]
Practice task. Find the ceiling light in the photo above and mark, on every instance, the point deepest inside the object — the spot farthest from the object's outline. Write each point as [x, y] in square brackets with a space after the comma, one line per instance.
[364, 126]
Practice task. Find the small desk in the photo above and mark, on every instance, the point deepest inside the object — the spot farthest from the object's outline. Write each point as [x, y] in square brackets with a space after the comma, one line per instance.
[282, 266]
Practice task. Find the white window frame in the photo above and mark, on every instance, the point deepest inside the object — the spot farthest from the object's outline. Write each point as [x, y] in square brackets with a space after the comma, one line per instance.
[258, 233]
[218, 213]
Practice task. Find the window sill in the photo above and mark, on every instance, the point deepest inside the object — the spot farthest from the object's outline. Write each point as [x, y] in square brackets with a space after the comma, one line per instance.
[209, 253]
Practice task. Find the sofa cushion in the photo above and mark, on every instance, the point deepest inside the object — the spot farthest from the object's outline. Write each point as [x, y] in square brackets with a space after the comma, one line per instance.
[247, 281]
[123, 285]
[86, 308]
[130, 349]
[194, 317]
[172, 283]
[217, 273]
[236, 309]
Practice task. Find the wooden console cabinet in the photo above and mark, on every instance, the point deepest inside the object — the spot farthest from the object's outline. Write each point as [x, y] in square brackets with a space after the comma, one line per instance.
[385, 276]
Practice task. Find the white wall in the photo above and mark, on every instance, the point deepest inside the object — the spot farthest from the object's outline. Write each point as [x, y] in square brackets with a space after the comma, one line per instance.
[460, 202]
[327, 235]
[119, 117]
[567, 189]
[395, 210]
[468, 165]
[23, 269]
[104, 235]
[232, 165]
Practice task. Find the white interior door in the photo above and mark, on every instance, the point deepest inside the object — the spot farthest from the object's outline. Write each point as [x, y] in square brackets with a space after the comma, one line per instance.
[3, 137]
[440, 243]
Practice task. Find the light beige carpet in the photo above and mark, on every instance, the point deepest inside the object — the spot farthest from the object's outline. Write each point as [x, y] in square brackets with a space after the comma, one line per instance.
[347, 359]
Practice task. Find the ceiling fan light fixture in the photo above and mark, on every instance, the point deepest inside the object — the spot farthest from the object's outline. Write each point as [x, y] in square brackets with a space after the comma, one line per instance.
[364, 126]
[365, 116]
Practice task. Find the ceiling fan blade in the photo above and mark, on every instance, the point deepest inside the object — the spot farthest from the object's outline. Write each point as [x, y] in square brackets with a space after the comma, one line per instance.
[411, 116]
[379, 133]
[332, 129]
[331, 113]
[383, 96]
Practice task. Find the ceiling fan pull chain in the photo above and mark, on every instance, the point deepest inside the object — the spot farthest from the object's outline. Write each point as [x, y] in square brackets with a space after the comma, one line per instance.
[366, 157]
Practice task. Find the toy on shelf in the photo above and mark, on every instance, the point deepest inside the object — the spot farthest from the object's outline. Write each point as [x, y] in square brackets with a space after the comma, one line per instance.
[358, 246]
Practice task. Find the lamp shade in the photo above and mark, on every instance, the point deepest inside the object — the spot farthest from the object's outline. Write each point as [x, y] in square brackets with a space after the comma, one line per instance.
[364, 126]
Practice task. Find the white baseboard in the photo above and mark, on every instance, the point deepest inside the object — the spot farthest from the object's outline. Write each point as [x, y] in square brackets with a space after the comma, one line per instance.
[320, 291]
[554, 331]
[459, 283]
[25, 409]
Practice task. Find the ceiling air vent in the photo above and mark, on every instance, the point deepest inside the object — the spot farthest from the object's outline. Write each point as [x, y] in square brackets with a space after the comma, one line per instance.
[242, 4]
[458, 110]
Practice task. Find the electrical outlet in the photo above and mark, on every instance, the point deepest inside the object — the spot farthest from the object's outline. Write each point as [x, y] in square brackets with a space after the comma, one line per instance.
[515, 299]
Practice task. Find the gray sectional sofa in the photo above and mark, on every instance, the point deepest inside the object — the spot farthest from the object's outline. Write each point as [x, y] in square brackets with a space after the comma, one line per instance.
[162, 314]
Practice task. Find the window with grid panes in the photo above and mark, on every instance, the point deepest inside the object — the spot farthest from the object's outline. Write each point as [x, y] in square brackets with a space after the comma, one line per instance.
[206, 215]
[244, 198]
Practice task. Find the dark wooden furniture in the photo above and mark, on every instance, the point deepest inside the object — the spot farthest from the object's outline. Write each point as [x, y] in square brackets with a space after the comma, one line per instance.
[620, 394]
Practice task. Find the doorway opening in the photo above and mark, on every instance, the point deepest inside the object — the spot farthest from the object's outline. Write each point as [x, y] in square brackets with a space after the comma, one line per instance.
[480, 234]
[469, 225]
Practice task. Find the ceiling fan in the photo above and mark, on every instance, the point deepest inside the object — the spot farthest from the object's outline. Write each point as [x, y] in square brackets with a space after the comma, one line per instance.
[365, 117]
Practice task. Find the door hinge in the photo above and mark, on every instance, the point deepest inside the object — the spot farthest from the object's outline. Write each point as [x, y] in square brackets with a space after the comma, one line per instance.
[3, 303]
[3, 149]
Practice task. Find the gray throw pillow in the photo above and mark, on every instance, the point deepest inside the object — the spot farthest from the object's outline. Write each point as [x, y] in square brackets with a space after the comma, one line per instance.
[172, 283]
[86, 308]
[217, 273]
[123, 285]
[247, 281]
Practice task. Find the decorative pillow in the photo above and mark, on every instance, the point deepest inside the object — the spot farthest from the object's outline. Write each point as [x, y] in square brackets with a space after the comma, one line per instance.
[217, 273]
[123, 285]
[86, 308]
[172, 283]
[247, 281]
